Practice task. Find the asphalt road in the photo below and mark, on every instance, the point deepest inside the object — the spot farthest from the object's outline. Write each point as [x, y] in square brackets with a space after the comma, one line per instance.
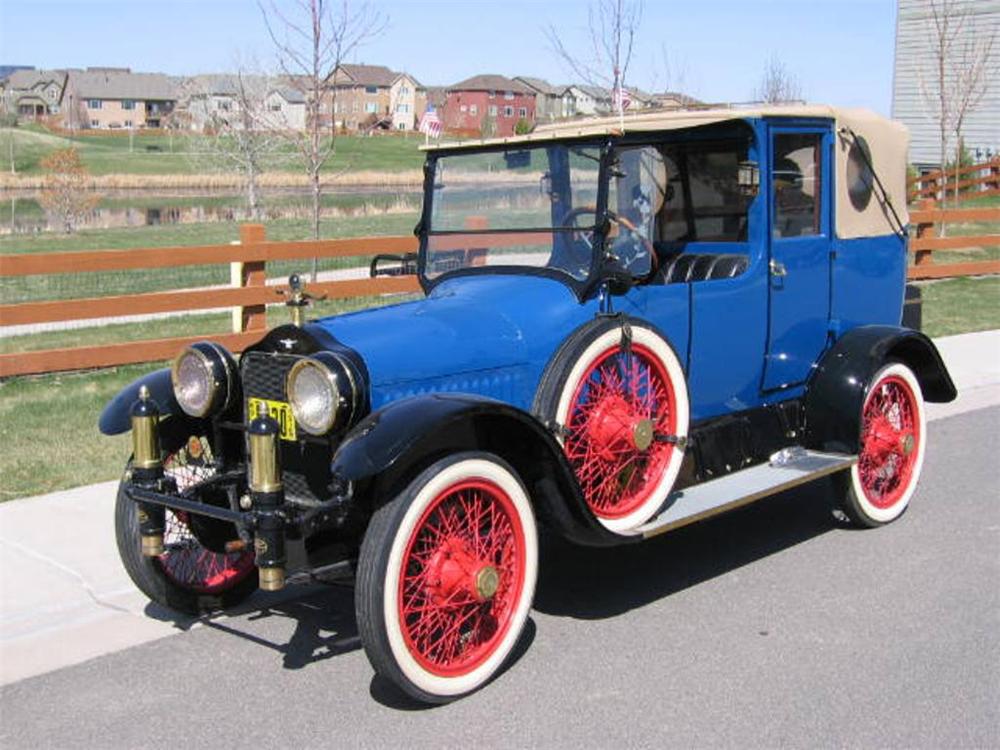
[772, 626]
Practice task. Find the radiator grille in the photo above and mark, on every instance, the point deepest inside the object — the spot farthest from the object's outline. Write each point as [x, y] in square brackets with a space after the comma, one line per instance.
[306, 466]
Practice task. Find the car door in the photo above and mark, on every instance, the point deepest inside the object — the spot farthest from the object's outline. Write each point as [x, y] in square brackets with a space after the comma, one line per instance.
[799, 253]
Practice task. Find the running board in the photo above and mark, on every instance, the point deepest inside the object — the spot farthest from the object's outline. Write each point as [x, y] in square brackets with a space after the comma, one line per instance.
[787, 468]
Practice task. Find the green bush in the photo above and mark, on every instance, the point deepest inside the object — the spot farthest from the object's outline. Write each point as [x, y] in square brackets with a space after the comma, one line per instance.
[523, 127]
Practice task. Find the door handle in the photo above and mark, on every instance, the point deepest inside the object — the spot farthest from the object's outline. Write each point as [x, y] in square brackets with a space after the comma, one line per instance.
[777, 268]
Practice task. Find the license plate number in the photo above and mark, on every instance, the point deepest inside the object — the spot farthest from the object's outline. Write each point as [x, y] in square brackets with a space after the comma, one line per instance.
[280, 411]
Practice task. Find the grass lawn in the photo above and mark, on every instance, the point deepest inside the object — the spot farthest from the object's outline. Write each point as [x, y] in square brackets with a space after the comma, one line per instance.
[191, 154]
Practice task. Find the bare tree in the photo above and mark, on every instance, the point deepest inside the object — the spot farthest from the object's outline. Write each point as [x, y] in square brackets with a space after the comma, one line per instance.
[971, 74]
[777, 83]
[312, 38]
[613, 26]
[241, 136]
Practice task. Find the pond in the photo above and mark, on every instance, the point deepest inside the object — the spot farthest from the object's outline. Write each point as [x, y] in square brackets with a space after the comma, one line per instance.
[20, 212]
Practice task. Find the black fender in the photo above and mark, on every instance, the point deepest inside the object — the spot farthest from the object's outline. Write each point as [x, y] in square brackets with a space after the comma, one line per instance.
[838, 385]
[116, 418]
[389, 447]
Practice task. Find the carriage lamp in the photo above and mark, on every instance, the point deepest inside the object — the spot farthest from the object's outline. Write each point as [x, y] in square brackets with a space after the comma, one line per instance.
[202, 376]
[748, 178]
[267, 497]
[147, 470]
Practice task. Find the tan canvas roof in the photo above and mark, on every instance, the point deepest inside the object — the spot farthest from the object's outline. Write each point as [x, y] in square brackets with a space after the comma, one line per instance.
[887, 140]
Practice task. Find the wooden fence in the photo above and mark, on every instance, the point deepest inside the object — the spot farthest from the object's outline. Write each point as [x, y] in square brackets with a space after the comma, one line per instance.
[972, 181]
[251, 294]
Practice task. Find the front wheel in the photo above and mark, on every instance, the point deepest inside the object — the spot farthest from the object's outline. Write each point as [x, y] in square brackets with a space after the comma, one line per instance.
[195, 573]
[893, 440]
[446, 577]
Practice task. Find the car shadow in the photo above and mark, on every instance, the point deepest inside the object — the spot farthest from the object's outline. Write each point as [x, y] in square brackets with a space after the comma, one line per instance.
[323, 618]
[594, 583]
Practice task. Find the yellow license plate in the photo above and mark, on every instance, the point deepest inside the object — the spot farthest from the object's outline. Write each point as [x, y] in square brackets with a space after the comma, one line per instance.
[280, 412]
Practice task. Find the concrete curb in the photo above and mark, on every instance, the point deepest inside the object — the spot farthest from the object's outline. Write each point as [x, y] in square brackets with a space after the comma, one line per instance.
[65, 598]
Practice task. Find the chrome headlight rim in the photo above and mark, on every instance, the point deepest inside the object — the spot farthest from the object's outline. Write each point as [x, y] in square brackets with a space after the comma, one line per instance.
[330, 378]
[215, 363]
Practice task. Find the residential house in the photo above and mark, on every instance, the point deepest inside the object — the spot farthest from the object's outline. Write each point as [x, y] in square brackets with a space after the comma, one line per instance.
[551, 102]
[675, 100]
[211, 100]
[589, 100]
[488, 105]
[117, 98]
[367, 96]
[286, 108]
[33, 93]
[914, 80]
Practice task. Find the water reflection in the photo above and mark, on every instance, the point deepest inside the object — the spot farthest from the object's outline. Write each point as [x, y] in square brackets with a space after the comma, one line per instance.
[20, 212]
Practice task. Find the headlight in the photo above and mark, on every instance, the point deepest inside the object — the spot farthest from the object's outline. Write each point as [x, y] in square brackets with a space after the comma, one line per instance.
[323, 392]
[202, 379]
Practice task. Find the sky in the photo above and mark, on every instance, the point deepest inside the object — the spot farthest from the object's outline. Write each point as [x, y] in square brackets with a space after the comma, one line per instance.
[840, 51]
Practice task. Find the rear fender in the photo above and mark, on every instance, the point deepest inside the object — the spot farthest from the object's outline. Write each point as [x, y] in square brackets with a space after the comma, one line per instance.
[387, 449]
[115, 419]
[838, 386]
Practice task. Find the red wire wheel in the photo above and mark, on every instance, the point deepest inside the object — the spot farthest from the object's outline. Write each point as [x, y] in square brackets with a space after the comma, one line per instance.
[622, 402]
[891, 447]
[194, 574]
[186, 560]
[622, 406]
[463, 573]
[446, 576]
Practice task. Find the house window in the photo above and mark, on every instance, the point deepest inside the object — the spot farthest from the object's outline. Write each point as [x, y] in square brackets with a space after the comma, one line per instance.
[508, 111]
[508, 95]
[404, 91]
[93, 104]
[52, 94]
[354, 106]
[128, 104]
[276, 106]
[371, 107]
[493, 95]
[127, 124]
[493, 110]
[371, 89]
[401, 126]
[95, 123]
[403, 108]
[473, 109]
[522, 112]
[463, 108]
[223, 106]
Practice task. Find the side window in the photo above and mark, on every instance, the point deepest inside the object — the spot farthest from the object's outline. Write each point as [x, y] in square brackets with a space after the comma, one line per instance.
[703, 200]
[797, 182]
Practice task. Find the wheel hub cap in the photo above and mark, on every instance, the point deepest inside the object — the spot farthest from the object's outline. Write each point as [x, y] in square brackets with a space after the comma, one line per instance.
[615, 427]
[487, 582]
[453, 569]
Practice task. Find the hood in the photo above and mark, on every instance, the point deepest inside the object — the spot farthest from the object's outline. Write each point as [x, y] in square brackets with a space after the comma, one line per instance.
[466, 325]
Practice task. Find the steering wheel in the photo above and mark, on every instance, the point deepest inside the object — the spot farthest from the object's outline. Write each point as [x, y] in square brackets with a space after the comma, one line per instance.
[640, 245]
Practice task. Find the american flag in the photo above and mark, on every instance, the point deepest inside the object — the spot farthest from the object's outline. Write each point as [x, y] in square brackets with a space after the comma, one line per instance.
[430, 123]
[621, 99]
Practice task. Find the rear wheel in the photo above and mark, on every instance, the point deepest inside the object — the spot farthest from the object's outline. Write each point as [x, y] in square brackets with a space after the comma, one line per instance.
[891, 452]
[194, 574]
[446, 577]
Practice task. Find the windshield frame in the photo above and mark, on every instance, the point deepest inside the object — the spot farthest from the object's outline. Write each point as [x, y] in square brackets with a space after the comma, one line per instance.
[580, 287]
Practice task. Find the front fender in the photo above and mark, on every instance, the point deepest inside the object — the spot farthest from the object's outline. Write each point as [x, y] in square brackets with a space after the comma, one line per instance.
[390, 447]
[115, 418]
[838, 386]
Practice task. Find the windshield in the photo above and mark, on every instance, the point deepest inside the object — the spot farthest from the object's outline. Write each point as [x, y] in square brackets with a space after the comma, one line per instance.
[518, 208]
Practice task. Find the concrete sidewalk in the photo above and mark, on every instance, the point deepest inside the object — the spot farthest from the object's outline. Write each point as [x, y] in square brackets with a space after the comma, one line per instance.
[65, 598]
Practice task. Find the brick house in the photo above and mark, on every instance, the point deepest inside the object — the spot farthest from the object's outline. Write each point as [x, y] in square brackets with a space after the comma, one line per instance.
[33, 93]
[117, 98]
[365, 96]
[488, 105]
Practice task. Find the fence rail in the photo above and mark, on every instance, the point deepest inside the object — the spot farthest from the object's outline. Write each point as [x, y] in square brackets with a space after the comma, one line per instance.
[251, 293]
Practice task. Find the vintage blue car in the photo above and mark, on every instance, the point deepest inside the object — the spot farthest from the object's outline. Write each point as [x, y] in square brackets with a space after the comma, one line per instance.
[628, 326]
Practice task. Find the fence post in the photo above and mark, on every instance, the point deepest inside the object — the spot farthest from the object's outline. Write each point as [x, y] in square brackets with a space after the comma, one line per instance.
[925, 229]
[253, 273]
